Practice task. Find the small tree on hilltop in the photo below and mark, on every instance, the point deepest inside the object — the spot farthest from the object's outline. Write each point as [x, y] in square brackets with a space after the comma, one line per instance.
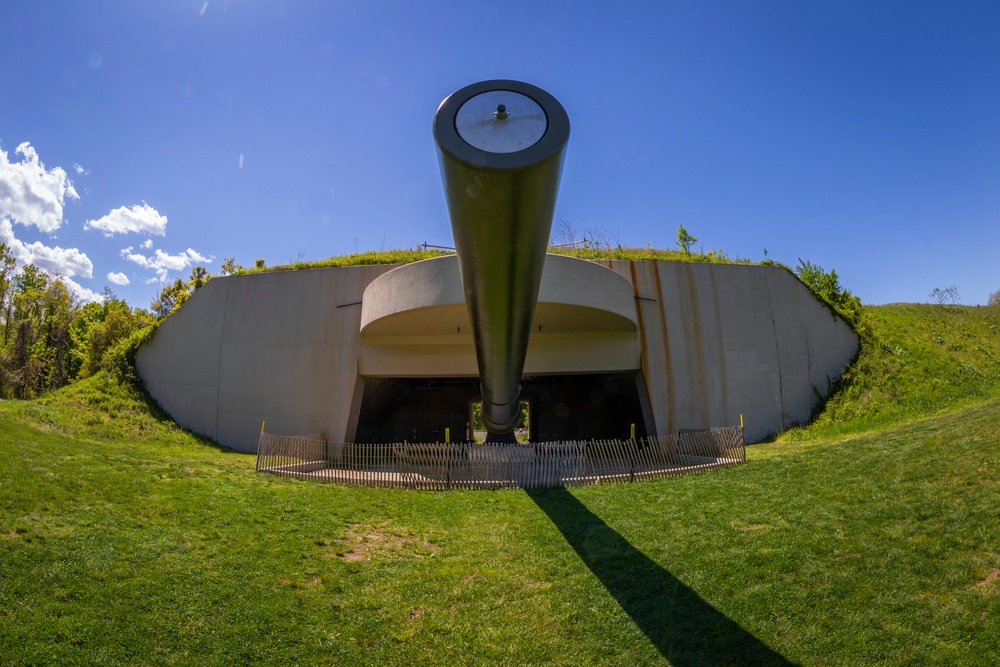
[994, 299]
[171, 296]
[946, 295]
[826, 285]
[685, 240]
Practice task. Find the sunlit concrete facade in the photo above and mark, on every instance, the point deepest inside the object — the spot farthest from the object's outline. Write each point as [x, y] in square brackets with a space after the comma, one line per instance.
[370, 351]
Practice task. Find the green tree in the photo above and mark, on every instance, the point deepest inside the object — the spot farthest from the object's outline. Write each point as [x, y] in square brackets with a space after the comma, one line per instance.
[90, 315]
[826, 285]
[199, 276]
[50, 338]
[171, 296]
[230, 267]
[946, 295]
[29, 285]
[101, 326]
[994, 299]
[685, 240]
[59, 310]
[38, 350]
[7, 270]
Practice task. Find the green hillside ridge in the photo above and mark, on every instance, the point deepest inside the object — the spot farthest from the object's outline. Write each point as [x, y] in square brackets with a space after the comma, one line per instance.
[915, 360]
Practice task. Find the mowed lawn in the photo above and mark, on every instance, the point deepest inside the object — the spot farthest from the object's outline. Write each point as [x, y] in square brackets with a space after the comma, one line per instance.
[158, 548]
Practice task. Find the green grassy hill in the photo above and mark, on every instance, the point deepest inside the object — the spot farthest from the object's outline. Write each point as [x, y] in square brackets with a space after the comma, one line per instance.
[915, 360]
[871, 537]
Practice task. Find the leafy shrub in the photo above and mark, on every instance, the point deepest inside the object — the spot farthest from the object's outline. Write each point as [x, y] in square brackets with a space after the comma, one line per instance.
[946, 295]
[685, 239]
[119, 361]
[826, 285]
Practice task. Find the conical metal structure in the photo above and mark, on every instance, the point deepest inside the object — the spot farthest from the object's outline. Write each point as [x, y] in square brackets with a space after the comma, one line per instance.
[501, 145]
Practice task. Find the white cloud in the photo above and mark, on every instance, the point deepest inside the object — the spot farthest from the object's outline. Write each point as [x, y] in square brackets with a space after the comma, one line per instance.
[57, 261]
[80, 169]
[163, 263]
[147, 244]
[118, 278]
[31, 194]
[81, 292]
[123, 220]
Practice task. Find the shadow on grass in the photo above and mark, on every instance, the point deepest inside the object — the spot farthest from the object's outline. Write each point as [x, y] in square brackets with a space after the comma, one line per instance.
[685, 629]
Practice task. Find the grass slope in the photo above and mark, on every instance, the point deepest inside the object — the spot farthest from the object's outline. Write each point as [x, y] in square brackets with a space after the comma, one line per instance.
[915, 360]
[124, 540]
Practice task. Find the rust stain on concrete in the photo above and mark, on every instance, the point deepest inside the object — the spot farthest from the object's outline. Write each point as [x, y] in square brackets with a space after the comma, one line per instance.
[697, 387]
[667, 363]
[644, 352]
[720, 350]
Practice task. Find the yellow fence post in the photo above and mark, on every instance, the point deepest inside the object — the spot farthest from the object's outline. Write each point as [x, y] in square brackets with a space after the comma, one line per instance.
[262, 426]
[447, 434]
[632, 431]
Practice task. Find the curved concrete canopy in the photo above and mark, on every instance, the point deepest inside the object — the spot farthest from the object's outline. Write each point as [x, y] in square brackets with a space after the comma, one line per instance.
[425, 298]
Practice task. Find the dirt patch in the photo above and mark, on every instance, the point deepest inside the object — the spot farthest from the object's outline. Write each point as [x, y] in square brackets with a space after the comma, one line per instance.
[994, 575]
[383, 542]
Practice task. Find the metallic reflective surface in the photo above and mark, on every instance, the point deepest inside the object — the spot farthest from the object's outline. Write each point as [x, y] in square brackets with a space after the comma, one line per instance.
[501, 206]
[501, 121]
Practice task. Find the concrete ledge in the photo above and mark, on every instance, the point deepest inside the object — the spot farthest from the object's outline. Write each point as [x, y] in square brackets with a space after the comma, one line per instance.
[426, 298]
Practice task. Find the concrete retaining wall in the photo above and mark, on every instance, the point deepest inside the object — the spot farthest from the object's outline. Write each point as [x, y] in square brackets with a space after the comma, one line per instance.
[723, 340]
[714, 341]
[281, 347]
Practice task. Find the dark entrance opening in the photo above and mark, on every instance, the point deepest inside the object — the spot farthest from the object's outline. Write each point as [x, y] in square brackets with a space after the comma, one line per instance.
[585, 407]
[562, 407]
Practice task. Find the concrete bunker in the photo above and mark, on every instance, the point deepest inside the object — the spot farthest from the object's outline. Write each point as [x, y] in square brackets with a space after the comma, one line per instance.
[398, 353]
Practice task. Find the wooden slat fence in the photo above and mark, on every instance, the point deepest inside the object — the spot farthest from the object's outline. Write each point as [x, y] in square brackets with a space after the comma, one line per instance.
[441, 466]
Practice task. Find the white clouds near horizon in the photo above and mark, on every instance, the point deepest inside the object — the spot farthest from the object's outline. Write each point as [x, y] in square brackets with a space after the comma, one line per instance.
[57, 261]
[162, 263]
[81, 292]
[30, 194]
[33, 196]
[123, 220]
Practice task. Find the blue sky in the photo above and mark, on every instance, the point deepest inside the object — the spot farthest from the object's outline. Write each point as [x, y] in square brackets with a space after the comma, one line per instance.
[141, 138]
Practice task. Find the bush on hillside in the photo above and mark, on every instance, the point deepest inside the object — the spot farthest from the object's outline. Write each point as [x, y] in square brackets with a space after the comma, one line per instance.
[826, 285]
[119, 361]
